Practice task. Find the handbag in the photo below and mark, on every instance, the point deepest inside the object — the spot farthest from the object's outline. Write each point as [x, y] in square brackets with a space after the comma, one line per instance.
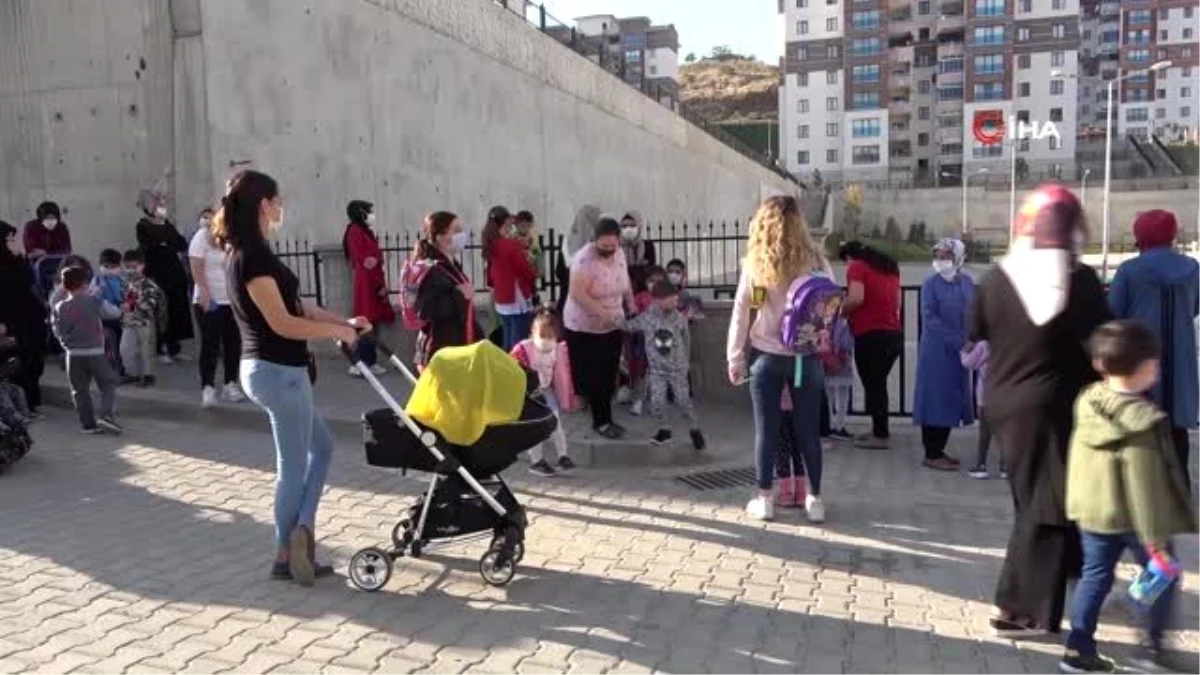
[312, 368]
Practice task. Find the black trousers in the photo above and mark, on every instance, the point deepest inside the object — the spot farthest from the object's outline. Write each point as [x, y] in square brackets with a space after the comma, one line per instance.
[219, 337]
[595, 358]
[826, 423]
[934, 439]
[1183, 451]
[28, 378]
[874, 354]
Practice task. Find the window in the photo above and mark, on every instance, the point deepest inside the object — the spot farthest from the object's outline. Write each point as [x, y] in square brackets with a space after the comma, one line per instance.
[1186, 52]
[953, 64]
[1138, 95]
[951, 149]
[802, 79]
[868, 20]
[1138, 16]
[1187, 33]
[989, 91]
[1057, 87]
[1022, 35]
[989, 7]
[801, 4]
[923, 112]
[1057, 59]
[831, 103]
[802, 27]
[633, 55]
[1163, 35]
[802, 157]
[923, 8]
[865, 128]
[831, 24]
[865, 154]
[1023, 62]
[1138, 37]
[1161, 93]
[1023, 116]
[1055, 143]
[1023, 145]
[949, 121]
[1160, 113]
[802, 131]
[1185, 112]
[989, 64]
[1137, 115]
[864, 46]
[1056, 114]
[831, 157]
[1139, 55]
[803, 105]
[802, 52]
[1185, 71]
[1026, 6]
[950, 92]
[866, 73]
[981, 151]
[865, 100]
[1023, 90]
[1058, 31]
[831, 129]
[833, 51]
[1188, 11]
[1141, 78]
[1185, 92]
[831, 77]
[1058, 4]
[922, 139]
[924, 87]
[988, 35]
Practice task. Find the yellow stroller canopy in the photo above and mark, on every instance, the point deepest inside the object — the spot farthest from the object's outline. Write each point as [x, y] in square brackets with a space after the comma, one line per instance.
[463, 390]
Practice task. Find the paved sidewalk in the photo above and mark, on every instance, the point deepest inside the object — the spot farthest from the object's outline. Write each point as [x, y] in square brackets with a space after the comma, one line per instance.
[148, 553]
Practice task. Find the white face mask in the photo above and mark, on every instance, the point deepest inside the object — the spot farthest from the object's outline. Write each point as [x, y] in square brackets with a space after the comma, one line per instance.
[944, 268]
[544, 344]
[629, 233]
[276, 225]
[675, 278]
[50, 223]
[458, 242]
[370, 219]
[204, 223]
[160, 211]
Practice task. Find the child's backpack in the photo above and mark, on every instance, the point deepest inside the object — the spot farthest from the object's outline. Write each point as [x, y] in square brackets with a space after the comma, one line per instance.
[411, 276]
[814, 306]
[837, 359]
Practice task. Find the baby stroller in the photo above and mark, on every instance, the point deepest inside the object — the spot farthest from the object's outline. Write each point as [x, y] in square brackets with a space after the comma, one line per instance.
[466, 497]
[15, 440]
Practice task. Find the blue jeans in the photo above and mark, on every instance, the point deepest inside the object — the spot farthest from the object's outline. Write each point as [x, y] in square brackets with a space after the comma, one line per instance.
[1101, 552]
[303, 444]
[769, 374]
[516, 327]
[364, 350]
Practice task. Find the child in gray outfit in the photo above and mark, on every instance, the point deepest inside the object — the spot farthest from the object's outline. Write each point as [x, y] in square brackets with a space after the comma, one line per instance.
[77, 321]
[668, 347]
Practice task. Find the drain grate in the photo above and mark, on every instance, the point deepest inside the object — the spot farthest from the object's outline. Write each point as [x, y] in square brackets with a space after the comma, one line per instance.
[720, 479]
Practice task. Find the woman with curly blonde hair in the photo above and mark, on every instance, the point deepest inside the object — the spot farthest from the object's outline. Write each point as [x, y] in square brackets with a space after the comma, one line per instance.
[779, 252]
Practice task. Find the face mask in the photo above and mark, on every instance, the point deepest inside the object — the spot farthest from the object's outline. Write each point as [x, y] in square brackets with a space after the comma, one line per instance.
[458, 243]
[134, 272]
[629, 233]
[13, 247]
[370, 219]
[944, 268]
[606, 252]
[204, 223]
[110, 271]
[544, 344]
[160, 211]
[276, 225]
[50, 223]
[675, 278]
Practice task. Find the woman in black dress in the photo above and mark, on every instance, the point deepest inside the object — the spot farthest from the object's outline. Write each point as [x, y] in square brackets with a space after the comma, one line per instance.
[22, 314]
[1037, 310]
[163, 246]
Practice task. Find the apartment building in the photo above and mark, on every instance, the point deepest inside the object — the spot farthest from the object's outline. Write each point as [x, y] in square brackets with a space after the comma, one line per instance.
[1165, 103]
[876, 89]
[650, 53]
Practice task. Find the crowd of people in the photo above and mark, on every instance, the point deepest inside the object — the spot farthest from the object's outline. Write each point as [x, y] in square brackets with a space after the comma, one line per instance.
[1090, 392]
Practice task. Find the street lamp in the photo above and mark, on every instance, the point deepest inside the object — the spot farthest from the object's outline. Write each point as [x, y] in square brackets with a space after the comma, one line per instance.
[1083, 188]
[1108, 140]
[965, 176]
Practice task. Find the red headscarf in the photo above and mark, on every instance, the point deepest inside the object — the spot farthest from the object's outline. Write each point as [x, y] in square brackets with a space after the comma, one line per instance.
[1154, 229]
[1046, 237]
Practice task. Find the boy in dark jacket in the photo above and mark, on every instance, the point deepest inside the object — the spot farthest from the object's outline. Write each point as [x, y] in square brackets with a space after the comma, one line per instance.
[1125, 488]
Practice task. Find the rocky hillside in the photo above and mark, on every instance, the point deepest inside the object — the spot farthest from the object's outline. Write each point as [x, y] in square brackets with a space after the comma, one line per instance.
[731, 89]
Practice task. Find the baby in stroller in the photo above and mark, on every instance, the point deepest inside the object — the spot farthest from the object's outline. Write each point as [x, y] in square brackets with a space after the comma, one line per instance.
[15, 416]
[471, 415]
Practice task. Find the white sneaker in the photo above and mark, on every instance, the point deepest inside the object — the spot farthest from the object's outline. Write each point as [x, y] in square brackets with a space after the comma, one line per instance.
[636, 409]
[233, 393]
[378, 369]
[815, 509]
[760, 508]
[353, 371]
[208, 397]
[166, 360]
[623, 395]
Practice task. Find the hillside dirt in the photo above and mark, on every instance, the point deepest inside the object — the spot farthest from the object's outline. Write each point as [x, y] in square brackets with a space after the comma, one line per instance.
[731, 90]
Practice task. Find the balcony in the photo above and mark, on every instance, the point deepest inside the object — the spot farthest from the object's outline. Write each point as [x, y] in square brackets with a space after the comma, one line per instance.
[948, 23]
[900, 149]
[951, 7]
[1110, 10]
[900, 109]
[897, 127]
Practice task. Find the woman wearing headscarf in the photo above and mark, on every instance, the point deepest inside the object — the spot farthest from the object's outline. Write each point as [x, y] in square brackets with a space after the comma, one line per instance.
[943, 391]
[1161, 289]
[22, 314]
[639, 251]
[163, 247]
[368, 280]
[578, 236]
[1037, 310]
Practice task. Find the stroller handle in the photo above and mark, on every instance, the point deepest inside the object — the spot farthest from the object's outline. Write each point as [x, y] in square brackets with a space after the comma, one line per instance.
[388, 353]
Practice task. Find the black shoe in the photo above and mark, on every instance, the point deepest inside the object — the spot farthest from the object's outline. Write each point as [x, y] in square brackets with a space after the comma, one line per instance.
[300, 543]
[542, 468]
[149, 381]
[611, 431]
[1014, 629]
[662, 437]
[565, 464]
[281, 571]
[109, 426]
[842, 435]
[1074, 662]
[129, 379]
[698, 440]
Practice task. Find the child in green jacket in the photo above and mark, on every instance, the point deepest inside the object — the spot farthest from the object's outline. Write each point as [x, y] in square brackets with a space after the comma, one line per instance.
[1125, 488]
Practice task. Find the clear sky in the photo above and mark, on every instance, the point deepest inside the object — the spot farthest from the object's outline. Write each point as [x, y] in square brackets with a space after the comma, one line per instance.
[747, 26]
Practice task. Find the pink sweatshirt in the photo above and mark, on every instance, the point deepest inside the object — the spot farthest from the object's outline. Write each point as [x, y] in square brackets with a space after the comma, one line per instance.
[607, 281]
[764, 333]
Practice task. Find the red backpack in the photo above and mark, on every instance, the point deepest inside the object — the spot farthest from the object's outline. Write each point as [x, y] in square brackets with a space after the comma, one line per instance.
[411, 276]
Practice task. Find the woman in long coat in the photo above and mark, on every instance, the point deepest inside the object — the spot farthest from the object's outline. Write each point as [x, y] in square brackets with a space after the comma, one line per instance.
[943, 389]
[372, 298]
[1037, 309]
[23, 315]
[163, 246]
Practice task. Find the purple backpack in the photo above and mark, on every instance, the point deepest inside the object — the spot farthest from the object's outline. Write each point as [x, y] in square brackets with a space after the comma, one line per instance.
[814, 306]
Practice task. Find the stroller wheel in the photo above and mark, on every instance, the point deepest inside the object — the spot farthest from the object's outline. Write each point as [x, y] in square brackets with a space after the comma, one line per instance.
[370, 569]
[402, 534]
[493, 574]
[518, 553]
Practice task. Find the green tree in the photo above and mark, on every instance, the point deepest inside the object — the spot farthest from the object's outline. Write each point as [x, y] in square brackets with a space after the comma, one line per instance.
[852, 198]
[690, 58]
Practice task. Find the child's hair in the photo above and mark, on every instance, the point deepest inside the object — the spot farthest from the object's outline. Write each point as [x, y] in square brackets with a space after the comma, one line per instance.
[676, 262]
[663, 289]
[1120, 347]
[524, 217]
[75, 261]
[133, 255]
[655, 271]
[110, 258]
[74, 278]
[545, 316]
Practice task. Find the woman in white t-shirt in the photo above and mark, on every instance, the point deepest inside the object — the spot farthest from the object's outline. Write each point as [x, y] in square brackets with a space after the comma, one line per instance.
[219, 334]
